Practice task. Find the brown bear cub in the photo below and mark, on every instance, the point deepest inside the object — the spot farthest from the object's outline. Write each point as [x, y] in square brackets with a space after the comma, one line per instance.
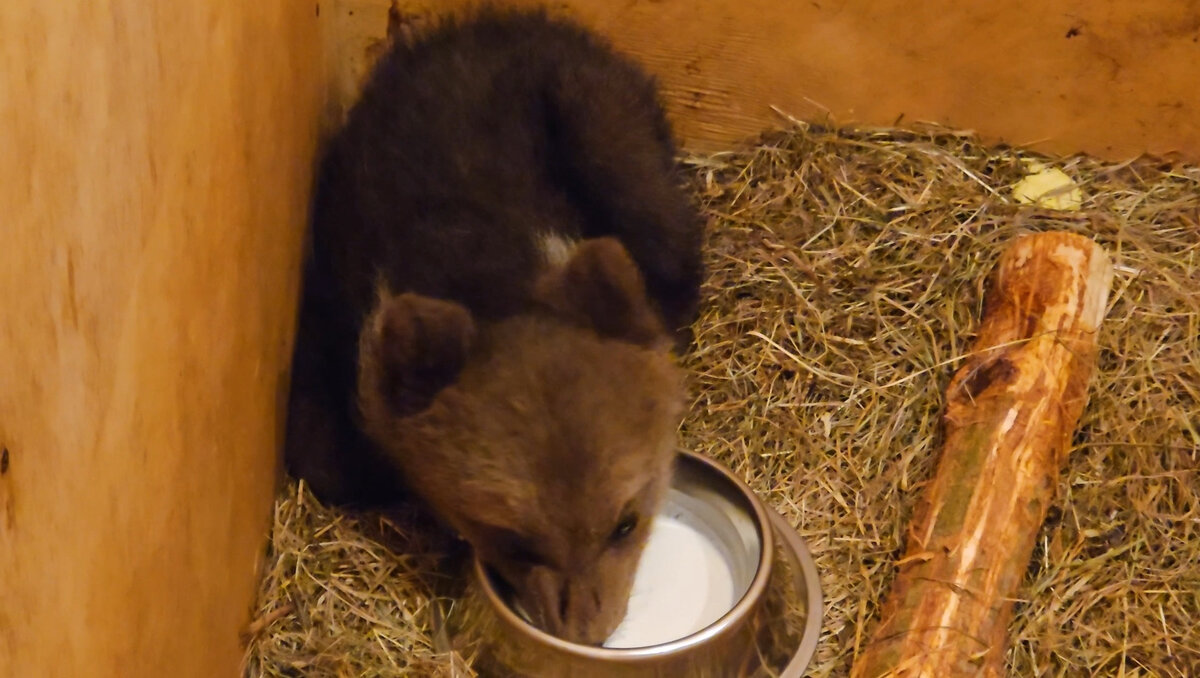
[502, 259]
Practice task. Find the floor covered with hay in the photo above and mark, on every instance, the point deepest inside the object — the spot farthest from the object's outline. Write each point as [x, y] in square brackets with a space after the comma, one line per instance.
[846, 273]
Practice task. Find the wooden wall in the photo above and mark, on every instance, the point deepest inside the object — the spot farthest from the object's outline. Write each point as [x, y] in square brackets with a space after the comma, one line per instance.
[155, 161]
[1110, 78]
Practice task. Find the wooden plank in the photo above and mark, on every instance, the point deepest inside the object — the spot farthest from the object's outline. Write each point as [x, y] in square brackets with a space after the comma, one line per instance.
[154, 172]
[1110, 79]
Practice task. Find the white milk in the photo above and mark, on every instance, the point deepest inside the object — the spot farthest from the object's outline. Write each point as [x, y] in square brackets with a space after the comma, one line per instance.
[683, 583]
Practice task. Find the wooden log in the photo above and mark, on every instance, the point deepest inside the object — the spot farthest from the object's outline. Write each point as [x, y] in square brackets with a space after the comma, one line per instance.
[1010, 413]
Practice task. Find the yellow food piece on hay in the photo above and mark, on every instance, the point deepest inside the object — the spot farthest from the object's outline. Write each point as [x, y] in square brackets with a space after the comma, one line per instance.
[1048, 187]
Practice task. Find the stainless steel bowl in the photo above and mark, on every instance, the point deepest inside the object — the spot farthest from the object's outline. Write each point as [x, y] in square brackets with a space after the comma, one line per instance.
[710, 498]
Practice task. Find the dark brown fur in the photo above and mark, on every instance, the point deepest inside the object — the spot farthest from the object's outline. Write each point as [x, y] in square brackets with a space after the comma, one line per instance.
[532, 403]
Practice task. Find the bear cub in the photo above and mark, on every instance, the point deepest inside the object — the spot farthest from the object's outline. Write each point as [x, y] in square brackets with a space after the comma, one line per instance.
[502, 260]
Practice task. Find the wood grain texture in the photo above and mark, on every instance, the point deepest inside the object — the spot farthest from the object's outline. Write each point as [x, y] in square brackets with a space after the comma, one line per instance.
[155, 162]
[1011, 411]
[1110, 79]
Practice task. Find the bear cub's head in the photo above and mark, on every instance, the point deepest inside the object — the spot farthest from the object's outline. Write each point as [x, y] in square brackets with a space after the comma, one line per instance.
[546, 440]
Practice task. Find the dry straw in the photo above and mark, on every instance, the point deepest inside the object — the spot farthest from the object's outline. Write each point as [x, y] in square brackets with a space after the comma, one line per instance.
[846, 275]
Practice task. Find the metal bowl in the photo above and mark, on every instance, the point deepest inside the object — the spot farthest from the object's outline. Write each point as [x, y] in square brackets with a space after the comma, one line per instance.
[709, 498]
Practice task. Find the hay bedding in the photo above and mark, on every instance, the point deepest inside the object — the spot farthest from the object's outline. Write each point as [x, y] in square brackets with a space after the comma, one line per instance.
[846, 279]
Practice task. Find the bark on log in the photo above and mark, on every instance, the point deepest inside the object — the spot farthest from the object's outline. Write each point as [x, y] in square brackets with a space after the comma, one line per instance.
[1011, 411]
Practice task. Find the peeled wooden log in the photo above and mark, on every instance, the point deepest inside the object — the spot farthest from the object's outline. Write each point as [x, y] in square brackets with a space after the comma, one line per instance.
[1011, 411]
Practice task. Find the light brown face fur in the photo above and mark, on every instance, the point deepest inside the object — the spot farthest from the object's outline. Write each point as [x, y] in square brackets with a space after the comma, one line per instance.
[546, 440]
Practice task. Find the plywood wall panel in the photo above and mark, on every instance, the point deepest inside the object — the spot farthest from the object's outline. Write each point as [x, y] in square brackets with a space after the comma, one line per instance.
[155, 162]
[1113, 79]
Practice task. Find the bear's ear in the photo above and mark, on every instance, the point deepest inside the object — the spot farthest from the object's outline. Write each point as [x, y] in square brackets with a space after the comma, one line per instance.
[411, 347]
[601, 288]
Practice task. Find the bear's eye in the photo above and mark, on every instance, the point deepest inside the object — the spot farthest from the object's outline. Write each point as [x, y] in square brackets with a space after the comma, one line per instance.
[624, 528]
[528, 557]
[521, 551]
